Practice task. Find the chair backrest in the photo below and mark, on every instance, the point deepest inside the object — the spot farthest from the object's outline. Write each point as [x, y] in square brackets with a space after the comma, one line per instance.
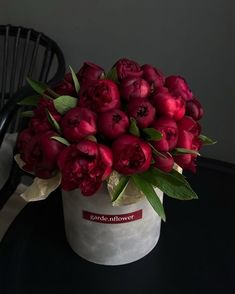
[25, 52]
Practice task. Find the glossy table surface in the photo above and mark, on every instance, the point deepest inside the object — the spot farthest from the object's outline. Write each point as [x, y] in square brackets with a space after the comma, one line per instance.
[195, 253]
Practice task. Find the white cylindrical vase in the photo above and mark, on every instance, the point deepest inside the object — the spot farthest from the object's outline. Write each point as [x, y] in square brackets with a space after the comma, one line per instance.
[106, 234]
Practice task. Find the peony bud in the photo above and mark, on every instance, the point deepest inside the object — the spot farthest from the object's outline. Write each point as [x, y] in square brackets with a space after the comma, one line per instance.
[100, 96]
[194, 109]
[127, 68]
[41, 155]
[169, 130]
[113, 123]
[187, 123]
[85, 165]
[178, 87]
[134, 88]
[153, 76]
[39, 123]
[89, 72]
[78, 123]
[131, 155]
[164, 163]
[142, 111]
[168, 105]
[65, 88]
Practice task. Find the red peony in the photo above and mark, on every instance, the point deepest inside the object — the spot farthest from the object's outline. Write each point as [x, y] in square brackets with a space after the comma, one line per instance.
[189, 131]
[153, 75]
[100, 95]
[131, 155]
[85, 166]
[89, 72]
[39, 122]
[128, 68]
[40, 154]
[187, 123]
[164, 162]
[65, 87]
[194, 109]
[113, 123]
[78, 123]
[188, 141]
[134, 88]
[169, 130]
[143, 112]
[168, 105]
[178, 87]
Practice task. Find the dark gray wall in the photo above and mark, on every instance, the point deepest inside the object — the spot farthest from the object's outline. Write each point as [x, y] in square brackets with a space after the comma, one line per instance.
[195, 39]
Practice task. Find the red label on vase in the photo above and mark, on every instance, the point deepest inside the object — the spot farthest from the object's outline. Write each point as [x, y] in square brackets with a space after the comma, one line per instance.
[112, 218]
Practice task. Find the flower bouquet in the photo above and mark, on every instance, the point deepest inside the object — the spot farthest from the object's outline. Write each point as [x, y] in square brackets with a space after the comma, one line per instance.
[114, 142]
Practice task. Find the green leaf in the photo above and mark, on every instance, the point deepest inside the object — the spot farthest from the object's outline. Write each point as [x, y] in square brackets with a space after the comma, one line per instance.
[178, 175]
[75, 80]
[53, 122]
[112, 74]
[152, 134]
[61, 140]
[178, 151]
[41, 88]
[152, 161]
[182, 179]
[30, 100]
[120, 188]
[206, 140]
[28, 113]
[64, 103]
[38, 87]
[91, 138]
[175, 186]
[133, 129]
[150, 194]
[52, 93]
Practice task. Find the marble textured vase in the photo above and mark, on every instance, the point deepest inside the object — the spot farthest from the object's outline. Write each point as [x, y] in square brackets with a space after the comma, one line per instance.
[106, 234]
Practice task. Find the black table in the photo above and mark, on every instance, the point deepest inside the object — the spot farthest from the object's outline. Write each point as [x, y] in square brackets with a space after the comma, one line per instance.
[195, 253]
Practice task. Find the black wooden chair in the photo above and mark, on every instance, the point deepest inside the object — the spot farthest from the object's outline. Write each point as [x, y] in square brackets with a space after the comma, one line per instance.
[24, 52]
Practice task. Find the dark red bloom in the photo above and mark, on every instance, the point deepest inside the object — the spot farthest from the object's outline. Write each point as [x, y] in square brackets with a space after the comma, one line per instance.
[188, 141]
[85, 166]
[100, 95]
[113, 123]
[90, 72]
[39, 123]
[78, 122]
[178, 87]
[131, 155]
[41, 154]
[169, 130]
[189, 131]
[143, 112]
[187, 123]
[153, 75]
[128, 68]
[164, 163]
[65, 88]
[168, 105]
[135, 88]
[194, 109]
